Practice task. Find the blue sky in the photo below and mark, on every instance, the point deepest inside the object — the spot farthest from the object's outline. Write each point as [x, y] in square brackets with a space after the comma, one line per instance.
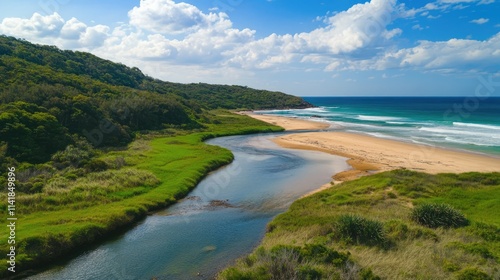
[306, 48]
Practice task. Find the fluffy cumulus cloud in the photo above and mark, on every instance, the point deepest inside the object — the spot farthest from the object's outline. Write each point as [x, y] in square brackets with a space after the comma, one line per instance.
[36, 26]
[162, 35]
[53, 29]
[362, 27]
[168, 17]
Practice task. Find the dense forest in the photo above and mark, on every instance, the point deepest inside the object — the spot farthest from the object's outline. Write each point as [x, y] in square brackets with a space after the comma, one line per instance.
[50, 98]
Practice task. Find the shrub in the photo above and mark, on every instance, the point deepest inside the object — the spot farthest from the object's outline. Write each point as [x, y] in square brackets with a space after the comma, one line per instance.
[486, 231]
[308, 272]
[438, 215]
[96, 165]
[475, 249]
[356, 229]
[322, 254]
[367, 274]
[284, 261]
[472, 274]
[398, 230]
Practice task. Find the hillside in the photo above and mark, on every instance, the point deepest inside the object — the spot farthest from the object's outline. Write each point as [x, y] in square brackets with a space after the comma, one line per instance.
[48, 94]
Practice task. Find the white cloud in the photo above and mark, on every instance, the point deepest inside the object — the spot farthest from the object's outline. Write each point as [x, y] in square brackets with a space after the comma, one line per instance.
[54, 30]
[417, 27]
[168, 17]
[177, 40]
[456, 1]
[37, 25]
[480, 20]
[360, 27]
[73, 29]
[439, 5]
[453, 55]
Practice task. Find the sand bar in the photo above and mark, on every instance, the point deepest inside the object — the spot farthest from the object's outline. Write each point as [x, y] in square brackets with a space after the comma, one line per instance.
[289, 123]
[370, 154]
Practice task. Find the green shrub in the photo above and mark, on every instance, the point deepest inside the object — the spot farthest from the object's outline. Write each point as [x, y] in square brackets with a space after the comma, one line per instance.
[356, 229]
[322, 254]
[438, 215]
[475, 249]
[284, 262]
[398, 230]
[236, 274]
[472, 274]
[367, 274]
[308, 272]
[96, 165]
[486, 231]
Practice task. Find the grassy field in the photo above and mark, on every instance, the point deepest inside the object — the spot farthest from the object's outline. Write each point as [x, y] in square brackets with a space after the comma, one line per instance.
[369, 229]
[75, 209]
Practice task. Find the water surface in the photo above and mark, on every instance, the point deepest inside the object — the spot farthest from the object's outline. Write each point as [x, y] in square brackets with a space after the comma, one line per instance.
[465, 123]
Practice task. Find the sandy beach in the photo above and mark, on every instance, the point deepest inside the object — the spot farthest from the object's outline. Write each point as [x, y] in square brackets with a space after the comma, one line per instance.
[289, 123]
[370, 154]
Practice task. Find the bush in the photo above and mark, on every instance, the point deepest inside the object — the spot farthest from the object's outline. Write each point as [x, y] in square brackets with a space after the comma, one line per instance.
[438, 215]
[284, 261]
[307, 272]
[472, 274]
[367, 274]
[322, 254]
[96, 165]
[356, 229]
[398, 230]
[235, 274]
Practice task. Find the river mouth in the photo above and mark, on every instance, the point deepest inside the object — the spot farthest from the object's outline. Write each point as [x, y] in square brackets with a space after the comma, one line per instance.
[221, 220]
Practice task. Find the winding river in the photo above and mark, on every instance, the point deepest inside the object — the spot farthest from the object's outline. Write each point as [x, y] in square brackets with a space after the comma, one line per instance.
[223, 219]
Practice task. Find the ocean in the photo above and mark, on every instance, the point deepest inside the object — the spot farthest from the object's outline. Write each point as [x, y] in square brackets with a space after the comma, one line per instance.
[464, 123]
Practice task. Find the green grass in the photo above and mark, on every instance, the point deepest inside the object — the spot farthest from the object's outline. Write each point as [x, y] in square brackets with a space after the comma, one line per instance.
[370, 220]
[75, 211]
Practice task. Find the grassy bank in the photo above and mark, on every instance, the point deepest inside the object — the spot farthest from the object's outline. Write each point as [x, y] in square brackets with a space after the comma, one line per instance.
[75, 209]
[392, 225]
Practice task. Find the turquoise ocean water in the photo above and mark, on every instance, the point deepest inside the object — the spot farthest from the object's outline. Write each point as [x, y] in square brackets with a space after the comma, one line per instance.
[465, 123]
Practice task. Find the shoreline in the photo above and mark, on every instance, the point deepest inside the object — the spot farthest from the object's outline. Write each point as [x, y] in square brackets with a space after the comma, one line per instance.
[289, 124]
[369, 154]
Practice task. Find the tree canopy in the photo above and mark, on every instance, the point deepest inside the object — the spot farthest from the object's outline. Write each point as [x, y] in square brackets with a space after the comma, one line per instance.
[48, 97]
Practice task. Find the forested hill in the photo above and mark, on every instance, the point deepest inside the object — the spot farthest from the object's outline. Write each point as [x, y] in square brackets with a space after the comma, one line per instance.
[50, 98]
[88, 66]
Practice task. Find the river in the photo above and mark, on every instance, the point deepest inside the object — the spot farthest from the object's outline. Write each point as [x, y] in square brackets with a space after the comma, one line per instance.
[222, 219]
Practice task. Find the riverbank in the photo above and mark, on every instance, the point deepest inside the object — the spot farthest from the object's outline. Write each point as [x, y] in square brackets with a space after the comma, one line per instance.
[84, 211]
[368, 154]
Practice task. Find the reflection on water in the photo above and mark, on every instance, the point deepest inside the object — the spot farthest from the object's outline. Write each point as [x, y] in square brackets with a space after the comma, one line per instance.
[221, 220]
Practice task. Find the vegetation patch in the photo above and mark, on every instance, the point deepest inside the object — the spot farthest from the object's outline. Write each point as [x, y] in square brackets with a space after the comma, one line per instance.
[378, 234]
[312, 261]
[438, 215]
[358, 230]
